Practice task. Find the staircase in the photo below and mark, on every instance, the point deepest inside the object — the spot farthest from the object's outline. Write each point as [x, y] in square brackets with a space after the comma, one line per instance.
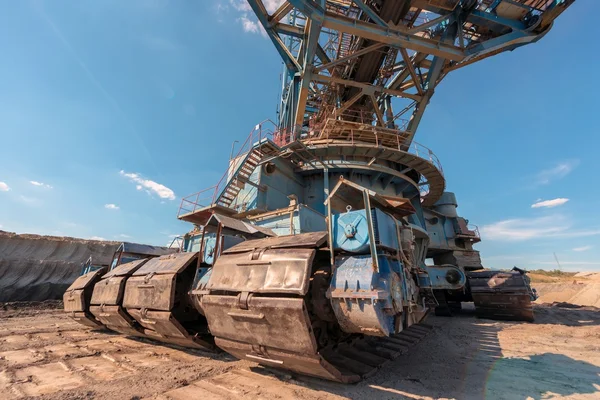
[240, 177]
[345, 45]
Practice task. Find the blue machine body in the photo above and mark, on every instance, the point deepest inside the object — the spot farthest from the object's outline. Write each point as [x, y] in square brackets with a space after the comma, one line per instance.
[303, 219]
[369, 297]
[351, 231]
[193, 244]
[364, 299]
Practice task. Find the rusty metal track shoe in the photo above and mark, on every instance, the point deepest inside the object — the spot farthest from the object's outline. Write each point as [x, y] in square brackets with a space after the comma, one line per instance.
[259, 307]
[501, 295]
[107, 299]
[77, 298]
[156, 296]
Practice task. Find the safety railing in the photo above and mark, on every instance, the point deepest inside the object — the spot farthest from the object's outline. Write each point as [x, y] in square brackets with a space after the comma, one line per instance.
[265, 130]
[355, 132]
[331, 129]
[177, 243]
[474, 229]
[196, 201]
[352, 115]
[425, 152]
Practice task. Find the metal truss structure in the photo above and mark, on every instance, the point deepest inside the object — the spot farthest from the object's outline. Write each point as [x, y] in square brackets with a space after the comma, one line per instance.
[378, 62]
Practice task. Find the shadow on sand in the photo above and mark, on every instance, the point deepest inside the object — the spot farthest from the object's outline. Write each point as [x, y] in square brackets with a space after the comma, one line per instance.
[463, 360]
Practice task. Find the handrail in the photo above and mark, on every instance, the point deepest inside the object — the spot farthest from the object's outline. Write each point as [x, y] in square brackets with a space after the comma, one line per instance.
[380, 136]
[419, 150]
[266, 129]
[475, 229]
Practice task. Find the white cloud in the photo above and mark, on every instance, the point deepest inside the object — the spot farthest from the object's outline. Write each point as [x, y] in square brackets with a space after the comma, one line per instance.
[246, 17]
[4, 187]
[97, 238]
[122, 235]
[559, 171]
[248, 25]
[36, 183]
[555, 226]
[151, 187]
[582, 248]
[29, 200]
[220, 7]
[550, 203]
[272, 5]
[240, 5]
[111, 206]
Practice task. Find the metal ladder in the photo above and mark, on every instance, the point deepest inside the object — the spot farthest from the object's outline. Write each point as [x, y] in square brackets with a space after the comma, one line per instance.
[240, 177]
[242, 173]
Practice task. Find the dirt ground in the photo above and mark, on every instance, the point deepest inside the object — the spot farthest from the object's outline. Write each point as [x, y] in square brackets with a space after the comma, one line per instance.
[581, 289]
[43, 353]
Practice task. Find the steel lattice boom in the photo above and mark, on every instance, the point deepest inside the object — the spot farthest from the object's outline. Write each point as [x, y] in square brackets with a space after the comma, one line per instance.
[345, 60]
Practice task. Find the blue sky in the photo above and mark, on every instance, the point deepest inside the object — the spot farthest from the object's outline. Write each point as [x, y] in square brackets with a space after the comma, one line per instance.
[111, 111]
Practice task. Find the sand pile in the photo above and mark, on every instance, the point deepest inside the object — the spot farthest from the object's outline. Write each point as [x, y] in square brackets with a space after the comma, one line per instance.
[583, 290]
[36, 268]
[590, 276]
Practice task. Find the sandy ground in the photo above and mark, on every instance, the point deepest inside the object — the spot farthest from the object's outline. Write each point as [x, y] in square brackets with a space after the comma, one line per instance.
[43, 353]
[581, 289]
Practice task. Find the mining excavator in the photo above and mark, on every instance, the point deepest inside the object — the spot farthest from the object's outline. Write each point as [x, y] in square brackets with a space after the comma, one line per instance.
[331, 236]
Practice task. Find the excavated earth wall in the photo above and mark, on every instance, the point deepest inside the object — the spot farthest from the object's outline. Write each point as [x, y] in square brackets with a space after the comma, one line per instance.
[36, 268]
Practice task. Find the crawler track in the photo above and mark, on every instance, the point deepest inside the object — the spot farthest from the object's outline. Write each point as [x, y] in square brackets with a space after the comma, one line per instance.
[502, 295]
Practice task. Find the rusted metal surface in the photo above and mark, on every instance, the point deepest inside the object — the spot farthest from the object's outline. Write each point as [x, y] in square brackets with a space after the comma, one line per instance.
[264, 271]
[282, 329]
[347, 193]
[116, 318]
[87, 280]
[235, 226]
[501, 295]
[312, 365]
[109, 291]
[151, 291]
[265, 321]
[169, 264]
[156, 296]
[346, 362]
[126, 269]
[107, 299]
[74, 301]
[311, 239]
[78, 296]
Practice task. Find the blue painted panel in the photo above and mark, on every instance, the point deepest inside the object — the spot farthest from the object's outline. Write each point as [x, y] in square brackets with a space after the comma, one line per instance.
[304, 220]
[365, 300]
[351, 232]
[192, 244]
[436, 277]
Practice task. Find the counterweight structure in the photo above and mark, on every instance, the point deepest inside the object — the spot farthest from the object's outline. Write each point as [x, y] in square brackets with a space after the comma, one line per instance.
[311, 252]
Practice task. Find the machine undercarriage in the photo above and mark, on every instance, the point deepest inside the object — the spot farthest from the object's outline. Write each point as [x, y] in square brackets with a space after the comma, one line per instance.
[331, 237]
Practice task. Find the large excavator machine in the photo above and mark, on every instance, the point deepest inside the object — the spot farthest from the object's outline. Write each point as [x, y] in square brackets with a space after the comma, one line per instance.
[331, 235]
